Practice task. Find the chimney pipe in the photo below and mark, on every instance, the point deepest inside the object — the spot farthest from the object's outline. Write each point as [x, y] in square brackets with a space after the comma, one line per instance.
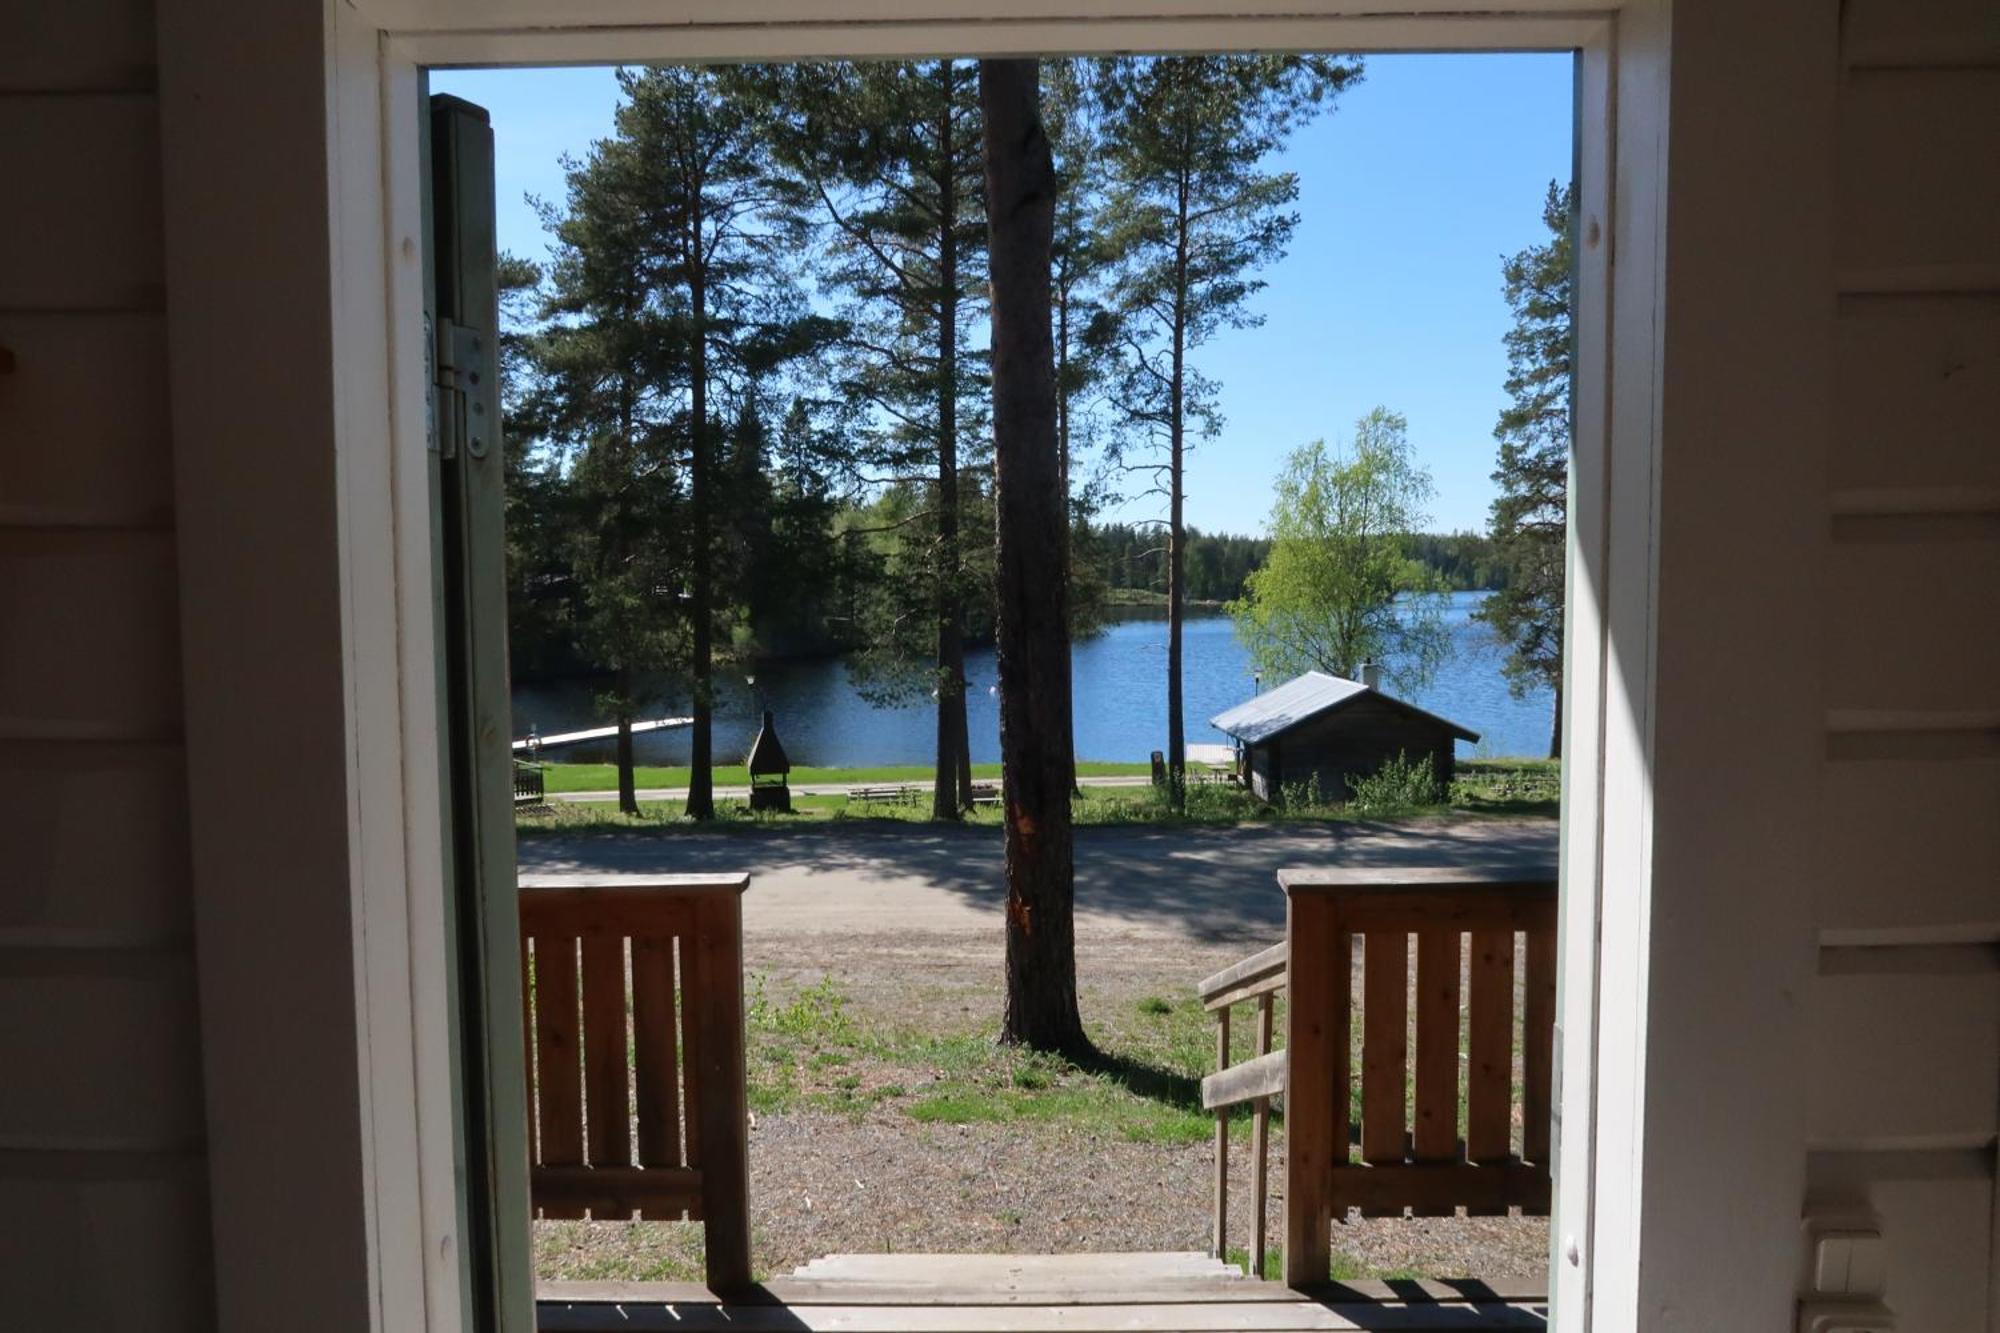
[1371, 675]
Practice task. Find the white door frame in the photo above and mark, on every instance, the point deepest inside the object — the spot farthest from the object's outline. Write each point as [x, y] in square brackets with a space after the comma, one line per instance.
[378, 50]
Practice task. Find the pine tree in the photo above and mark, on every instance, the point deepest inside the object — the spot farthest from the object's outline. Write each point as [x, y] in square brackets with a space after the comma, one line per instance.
[717, 273]
[1038, 759]
[1191, 216]
[595, 398]
[881, 161]
[1528, 518]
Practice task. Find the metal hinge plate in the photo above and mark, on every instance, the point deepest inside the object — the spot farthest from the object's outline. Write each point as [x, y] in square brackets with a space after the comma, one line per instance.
[463, 360]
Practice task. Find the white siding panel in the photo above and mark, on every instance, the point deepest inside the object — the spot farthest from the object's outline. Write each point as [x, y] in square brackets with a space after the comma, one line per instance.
[1920, 32]
[1939, 1251]
[84, 414]
[1904, 1061]
[82, 224]
[67, 881]
[102, 1051]
[104, 1254]
[1919, 392]
[1917, 180]
[1910, 625]
[76, 45]
[91, 635]
[1910, 843]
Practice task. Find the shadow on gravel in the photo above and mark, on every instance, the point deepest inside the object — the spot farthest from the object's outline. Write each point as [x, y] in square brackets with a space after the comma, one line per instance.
[1216, 883]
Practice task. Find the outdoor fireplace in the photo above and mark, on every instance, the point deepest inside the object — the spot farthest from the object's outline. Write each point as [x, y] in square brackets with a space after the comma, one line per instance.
[769, 769]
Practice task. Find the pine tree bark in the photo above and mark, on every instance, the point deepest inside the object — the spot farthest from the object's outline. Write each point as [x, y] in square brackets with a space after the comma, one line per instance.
[1176, 535]
[951, 784]
[1037, 754]
[628, 783]
[701, 743]
[1556, 726]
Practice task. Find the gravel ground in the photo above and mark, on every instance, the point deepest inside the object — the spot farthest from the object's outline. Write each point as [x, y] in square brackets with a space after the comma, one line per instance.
[823, 1184]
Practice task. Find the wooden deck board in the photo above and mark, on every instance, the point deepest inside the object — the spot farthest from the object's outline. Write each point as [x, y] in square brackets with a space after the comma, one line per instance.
[1077, 1293]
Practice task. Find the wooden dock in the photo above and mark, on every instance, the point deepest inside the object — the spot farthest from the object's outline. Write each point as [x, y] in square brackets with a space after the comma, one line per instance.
[1046, 1293]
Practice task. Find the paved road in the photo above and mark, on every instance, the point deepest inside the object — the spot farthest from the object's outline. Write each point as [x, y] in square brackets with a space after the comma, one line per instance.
[1209, 884]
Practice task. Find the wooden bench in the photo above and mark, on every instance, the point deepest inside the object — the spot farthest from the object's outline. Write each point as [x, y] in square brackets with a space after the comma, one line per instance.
[898, 794]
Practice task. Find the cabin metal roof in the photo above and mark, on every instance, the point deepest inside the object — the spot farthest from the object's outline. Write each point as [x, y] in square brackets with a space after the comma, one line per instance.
[1304, 698]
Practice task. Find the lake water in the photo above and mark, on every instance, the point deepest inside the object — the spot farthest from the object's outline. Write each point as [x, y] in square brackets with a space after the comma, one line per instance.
[1120, 683]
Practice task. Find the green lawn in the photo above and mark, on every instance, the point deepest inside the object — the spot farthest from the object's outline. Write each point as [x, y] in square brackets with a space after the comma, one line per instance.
[809, 1051]
[1485, 787]
[604, 777]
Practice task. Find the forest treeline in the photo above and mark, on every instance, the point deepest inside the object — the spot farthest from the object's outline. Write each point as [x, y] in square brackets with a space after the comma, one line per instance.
[785, 615]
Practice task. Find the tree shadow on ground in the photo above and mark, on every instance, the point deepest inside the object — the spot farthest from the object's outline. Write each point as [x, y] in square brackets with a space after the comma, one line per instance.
[1212, 883]
[1152, 1082]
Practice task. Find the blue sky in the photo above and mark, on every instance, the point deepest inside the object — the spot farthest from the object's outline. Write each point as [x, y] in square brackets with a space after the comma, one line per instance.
[1427, 172]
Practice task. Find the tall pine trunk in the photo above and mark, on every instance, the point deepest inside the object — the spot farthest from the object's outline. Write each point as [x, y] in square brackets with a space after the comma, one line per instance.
[951, 785]
[1176, 539]
[1037, 755]
[628, 783]
[1556, 726]
[701, 744]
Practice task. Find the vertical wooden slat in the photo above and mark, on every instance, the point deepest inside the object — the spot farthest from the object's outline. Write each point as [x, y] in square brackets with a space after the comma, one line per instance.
[1538, 1043]
[559, 1081]
[691, 1081]
[607, 1123]
[1436, 1135]
[1221, 1247]
[656, 1050]
[1490, 1043]
[1260, 1148]
[1385, 1045]
[722, 1110]
[1318, 976]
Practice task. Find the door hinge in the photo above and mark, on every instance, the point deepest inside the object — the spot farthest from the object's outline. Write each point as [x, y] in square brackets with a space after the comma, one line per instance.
[462, 361]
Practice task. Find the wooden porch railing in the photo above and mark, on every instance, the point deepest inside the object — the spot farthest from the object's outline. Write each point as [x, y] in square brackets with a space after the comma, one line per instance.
[635, 1053]
[1427, 1167]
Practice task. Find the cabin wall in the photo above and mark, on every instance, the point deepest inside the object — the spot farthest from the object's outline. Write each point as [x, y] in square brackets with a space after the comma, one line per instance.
[103, 1131]
[1351, 742]
[1904, 1012]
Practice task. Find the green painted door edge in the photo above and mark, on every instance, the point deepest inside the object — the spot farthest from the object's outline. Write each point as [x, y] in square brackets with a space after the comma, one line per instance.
[467, 461]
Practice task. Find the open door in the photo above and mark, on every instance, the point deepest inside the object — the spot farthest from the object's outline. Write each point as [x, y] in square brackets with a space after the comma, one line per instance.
[467, 463]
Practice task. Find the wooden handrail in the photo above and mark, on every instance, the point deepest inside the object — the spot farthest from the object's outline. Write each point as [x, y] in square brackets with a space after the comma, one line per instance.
[1256, 975]
[1246, 1082]
[664, 954]
[1259, 977]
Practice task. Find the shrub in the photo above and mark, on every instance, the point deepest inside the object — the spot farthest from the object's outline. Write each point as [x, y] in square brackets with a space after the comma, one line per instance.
[1401, 784]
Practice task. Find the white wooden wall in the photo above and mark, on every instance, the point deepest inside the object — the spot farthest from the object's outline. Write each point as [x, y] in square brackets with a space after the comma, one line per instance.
[102, 1159]
[1905, 1011]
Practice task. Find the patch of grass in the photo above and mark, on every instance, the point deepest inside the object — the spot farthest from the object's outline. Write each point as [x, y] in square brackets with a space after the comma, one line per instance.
[1154, 1005]
[1274, 1261]
[807, 1051]
[1529, 787]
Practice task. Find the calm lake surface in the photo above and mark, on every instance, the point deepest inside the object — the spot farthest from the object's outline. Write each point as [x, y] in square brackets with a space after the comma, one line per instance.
[1120, 681]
